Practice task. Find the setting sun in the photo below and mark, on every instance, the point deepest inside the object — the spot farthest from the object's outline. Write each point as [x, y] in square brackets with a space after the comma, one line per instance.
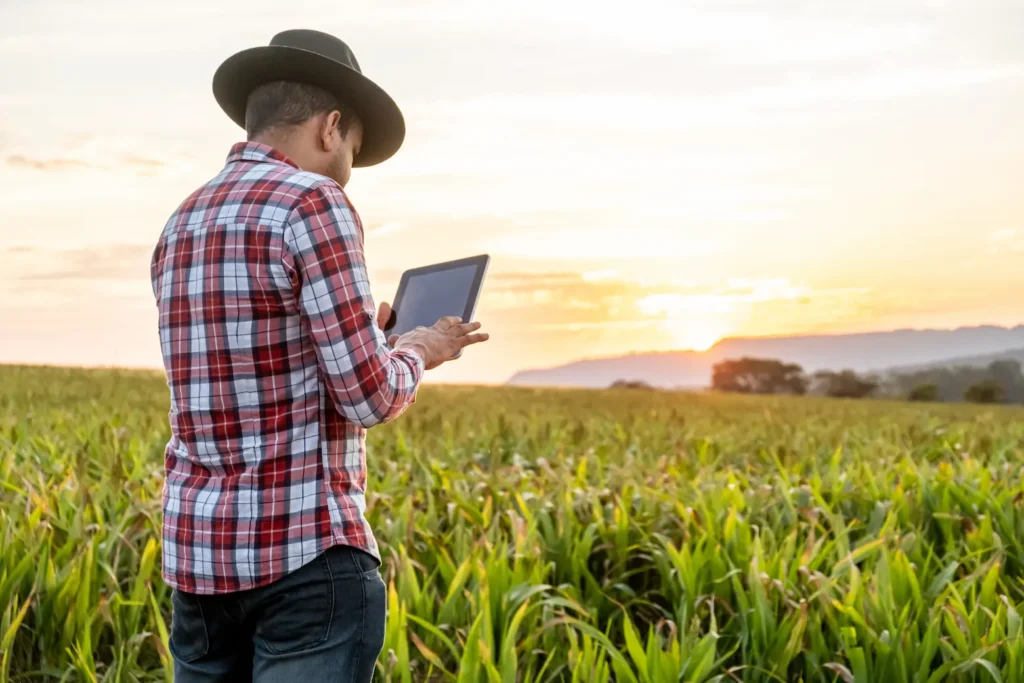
[699, 335]
[694, 322]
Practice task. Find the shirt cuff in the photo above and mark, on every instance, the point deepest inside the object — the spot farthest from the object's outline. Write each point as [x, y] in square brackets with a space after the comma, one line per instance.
[414, 359]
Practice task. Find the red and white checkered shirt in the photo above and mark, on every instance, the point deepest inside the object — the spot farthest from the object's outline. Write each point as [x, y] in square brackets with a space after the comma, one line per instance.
[276, 368]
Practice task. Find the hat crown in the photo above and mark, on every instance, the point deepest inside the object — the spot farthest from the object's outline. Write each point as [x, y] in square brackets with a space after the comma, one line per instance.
[319, 42]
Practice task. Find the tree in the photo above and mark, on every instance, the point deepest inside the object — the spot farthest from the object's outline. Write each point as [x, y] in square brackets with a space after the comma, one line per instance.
[924, 392]
[845, 384]
[631, 384]
[989, 391]
[758, 376]
[1007, 373]
[953, 382]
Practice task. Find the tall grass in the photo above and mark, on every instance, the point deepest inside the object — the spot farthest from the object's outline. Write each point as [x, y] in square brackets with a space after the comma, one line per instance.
[564, 536]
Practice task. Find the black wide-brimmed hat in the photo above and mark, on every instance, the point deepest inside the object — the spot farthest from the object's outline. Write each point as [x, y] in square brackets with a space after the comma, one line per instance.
[319, 59]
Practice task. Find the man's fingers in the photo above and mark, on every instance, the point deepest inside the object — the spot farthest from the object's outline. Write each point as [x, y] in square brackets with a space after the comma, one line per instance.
[463, 329]
[392, 340]
[473, 339]
[448, 322]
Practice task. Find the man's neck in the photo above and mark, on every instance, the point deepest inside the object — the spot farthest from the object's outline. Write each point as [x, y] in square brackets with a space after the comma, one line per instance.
[288, 146]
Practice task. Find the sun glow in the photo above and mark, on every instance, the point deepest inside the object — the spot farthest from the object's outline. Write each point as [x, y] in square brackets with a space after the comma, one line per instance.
[694, 322]
[695, 335]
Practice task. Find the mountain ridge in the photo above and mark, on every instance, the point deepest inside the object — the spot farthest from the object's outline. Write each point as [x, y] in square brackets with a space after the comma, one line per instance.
[862, 351]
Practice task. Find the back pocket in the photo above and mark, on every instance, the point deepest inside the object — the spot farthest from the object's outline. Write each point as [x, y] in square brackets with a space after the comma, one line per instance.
[295, 612]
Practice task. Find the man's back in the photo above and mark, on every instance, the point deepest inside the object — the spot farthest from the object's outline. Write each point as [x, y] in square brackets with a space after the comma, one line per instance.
[276, 367]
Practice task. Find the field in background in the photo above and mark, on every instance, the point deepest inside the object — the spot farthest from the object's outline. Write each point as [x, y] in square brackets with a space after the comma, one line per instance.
[564, 536]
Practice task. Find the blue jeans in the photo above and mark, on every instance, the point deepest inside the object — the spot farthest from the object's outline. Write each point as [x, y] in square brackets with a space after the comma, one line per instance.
[323, 622]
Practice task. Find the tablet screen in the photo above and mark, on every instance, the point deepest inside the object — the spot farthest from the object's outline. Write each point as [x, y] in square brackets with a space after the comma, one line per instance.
[433, 295]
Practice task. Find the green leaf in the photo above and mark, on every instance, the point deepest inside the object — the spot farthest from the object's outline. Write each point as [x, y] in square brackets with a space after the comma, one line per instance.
[635, 649]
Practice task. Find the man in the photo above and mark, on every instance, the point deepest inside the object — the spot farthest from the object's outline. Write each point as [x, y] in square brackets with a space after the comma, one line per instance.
[276, 367]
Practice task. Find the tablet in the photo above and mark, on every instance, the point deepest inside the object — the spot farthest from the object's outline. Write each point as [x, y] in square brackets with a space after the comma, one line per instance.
[430, 293]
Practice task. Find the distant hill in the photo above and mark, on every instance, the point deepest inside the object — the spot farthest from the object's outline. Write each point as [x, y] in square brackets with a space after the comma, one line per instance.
[953, 378]
[861, 352]
[981, 361]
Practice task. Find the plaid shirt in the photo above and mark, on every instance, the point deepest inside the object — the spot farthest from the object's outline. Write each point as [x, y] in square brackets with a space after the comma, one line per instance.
[276, 368]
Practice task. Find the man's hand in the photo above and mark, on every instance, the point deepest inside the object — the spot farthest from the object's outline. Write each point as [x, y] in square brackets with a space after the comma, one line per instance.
[383, 315]
[441, 341]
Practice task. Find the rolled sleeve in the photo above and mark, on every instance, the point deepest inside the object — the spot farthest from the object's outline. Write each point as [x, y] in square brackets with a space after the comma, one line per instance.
[368, 381]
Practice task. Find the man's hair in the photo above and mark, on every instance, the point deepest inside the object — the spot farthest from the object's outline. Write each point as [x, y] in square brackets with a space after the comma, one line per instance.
[282, 104]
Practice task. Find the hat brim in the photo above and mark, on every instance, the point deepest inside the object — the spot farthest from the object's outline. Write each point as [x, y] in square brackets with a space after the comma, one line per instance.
[240, 74]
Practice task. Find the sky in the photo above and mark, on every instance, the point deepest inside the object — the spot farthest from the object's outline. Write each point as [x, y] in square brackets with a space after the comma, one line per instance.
[650, 175]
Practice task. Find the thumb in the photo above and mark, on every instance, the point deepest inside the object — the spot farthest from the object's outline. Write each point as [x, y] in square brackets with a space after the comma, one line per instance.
[392, 340]
[383, 314]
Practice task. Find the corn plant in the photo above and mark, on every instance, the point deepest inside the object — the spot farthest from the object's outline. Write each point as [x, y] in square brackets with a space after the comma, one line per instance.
[537, 536]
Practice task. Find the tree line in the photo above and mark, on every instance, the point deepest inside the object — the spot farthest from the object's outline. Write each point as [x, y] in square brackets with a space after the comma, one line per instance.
[1000, 382]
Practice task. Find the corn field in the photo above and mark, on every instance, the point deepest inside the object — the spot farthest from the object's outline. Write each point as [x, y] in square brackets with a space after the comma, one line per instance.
[546, 535]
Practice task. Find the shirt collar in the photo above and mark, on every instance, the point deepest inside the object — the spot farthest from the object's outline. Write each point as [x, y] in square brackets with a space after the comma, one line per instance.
[259, 153]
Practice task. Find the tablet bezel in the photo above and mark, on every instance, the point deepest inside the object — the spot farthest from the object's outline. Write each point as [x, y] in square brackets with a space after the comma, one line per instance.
[481, 262]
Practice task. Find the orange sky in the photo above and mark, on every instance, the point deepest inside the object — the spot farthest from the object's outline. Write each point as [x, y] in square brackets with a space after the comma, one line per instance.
[646, 179]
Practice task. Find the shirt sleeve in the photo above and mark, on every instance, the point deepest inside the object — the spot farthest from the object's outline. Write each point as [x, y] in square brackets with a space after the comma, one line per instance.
[368, 381]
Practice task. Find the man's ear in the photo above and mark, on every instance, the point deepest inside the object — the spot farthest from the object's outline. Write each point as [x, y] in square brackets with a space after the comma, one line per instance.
[328, 129]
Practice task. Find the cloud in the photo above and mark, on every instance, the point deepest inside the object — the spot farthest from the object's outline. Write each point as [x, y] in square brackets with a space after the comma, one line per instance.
[725, 297]
[1006, 241]
[563, 296]
[55, 164]
[598, 244]
[586, 298]
[1003, 235]
[600, 325]
[516, 281]
[116, 262]
[780, 101]
[86, 158]
[682, 315]
[651, 26]
[382, 229]
[143, 162]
